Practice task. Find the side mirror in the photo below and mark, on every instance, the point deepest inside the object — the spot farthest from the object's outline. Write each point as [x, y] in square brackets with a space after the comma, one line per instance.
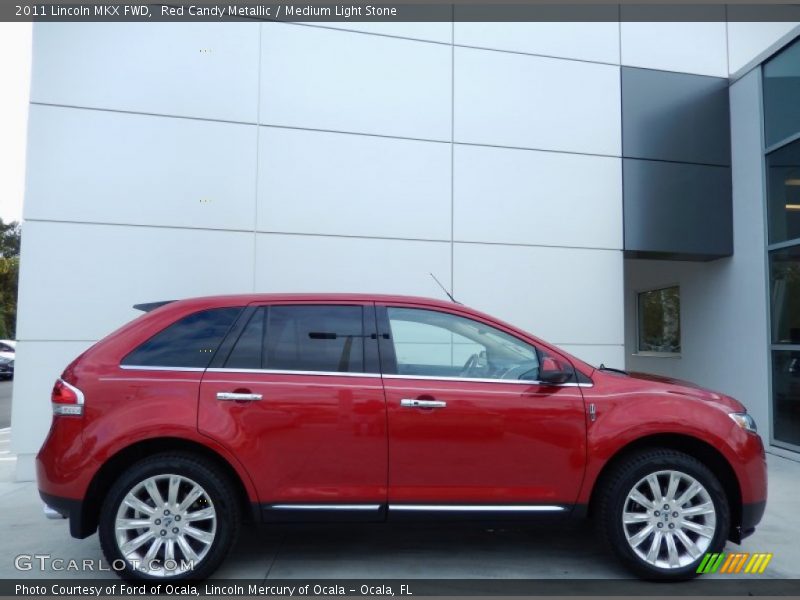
[554, 371]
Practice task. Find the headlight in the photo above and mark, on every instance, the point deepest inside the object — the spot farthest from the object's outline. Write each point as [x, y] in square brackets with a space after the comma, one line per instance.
[744, 421]
[5, 361]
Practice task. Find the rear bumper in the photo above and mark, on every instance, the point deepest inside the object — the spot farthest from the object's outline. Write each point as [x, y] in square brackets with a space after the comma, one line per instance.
[67, 508]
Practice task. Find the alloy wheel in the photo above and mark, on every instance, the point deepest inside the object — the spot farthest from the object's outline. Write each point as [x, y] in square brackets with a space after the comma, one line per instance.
[165, 525]
[669, 519]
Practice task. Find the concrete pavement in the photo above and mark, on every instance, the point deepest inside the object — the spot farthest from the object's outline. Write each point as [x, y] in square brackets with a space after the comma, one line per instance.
[408, 552]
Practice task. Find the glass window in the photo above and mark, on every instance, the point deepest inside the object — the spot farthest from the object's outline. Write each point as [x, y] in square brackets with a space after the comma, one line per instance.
[659, 313]
[786, 396]
[315, 338]
[248, 351]
[783, 193]
[435, 344]
[784, 272]
[190, 342]
[782, 95]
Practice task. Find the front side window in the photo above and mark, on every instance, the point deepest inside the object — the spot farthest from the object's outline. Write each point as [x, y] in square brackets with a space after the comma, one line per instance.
[301, 338]
[190, 342]
[659, 314]
[436, 344]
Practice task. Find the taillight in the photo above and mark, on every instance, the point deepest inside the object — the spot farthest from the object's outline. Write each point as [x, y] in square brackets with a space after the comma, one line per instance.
[66, 399]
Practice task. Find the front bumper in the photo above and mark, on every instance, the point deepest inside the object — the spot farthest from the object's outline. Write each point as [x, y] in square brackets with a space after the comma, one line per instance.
[752, 513]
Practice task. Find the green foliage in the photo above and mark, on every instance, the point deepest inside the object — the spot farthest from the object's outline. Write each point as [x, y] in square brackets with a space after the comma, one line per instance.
[9, 277]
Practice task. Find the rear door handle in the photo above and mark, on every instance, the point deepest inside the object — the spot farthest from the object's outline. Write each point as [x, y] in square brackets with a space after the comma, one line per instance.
[414, 403]
[236, 397]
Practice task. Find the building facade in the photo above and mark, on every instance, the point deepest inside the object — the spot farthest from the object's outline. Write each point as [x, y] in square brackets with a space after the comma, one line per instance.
[551, 174]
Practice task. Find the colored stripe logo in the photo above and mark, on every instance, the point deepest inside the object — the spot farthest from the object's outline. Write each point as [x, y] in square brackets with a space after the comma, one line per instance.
[735, 562]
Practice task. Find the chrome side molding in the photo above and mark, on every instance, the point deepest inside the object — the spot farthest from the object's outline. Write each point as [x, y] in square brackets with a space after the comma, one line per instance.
[478, 507]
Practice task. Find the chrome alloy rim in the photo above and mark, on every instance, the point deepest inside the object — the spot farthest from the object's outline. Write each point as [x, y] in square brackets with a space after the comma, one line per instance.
[669, 519]
[165, 525]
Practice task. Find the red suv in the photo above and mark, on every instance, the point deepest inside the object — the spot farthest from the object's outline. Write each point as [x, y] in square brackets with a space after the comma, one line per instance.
[205, 413]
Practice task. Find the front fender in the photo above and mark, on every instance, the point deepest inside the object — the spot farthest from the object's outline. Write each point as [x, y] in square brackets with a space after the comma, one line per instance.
[624, 420]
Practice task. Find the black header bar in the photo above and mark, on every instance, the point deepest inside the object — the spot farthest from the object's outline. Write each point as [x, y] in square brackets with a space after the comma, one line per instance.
[398, 11]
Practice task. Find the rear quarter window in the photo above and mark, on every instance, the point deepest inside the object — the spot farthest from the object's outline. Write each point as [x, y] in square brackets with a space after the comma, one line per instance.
[190, 342]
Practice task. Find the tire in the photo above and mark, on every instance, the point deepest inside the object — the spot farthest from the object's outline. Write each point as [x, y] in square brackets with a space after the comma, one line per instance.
[206, 527]
[698, 500]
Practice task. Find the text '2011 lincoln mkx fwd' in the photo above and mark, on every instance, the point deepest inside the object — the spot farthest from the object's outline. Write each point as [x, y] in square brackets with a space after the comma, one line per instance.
[206, 413]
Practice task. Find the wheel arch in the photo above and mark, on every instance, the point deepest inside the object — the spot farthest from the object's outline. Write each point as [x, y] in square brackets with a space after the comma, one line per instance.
[127, 456]
[695, 447]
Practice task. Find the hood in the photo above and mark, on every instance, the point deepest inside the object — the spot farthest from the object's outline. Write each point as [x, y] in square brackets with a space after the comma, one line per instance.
[687, 388]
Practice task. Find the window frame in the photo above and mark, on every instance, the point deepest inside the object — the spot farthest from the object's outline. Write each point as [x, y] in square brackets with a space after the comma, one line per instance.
[657, 353]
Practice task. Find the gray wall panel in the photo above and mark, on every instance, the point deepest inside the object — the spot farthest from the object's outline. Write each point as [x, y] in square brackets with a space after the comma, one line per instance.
[675, 210]
[675, 116]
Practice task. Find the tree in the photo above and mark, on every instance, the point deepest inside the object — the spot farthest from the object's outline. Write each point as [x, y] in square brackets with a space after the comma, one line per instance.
[9, 277]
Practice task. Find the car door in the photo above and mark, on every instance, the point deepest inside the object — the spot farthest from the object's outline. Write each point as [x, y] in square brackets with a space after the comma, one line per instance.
[470, 427]
[295, 393]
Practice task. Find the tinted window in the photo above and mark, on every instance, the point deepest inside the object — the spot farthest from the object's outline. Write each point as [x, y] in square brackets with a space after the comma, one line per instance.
[784, 270]
[249, 349]
[430, 343]
[190, 342]
[782, 95]
[302, 338]
[783, 193]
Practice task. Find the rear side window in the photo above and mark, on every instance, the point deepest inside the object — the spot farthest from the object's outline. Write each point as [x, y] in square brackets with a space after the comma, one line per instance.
[190, 342]
[302, 338]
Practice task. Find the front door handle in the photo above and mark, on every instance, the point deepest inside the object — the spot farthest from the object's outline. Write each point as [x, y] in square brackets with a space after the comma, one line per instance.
[414, 403]
[237, 397]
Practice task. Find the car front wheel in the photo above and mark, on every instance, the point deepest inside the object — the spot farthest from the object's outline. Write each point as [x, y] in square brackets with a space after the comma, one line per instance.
[168, 517]
[661, 511]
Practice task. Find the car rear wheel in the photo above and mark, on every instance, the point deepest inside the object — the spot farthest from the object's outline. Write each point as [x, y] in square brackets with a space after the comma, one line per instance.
[168, 517]
[661, 511]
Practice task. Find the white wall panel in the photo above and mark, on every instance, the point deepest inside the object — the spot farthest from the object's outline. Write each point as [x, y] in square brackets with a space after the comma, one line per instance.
[597, 42]
[296, 263]
[531, 102]
[563, 295]
[120, 168]
[691, 47]
[435, 31]
[318, 182]
[747, 40]
[200, 69]
[38, 365]
[79, 282]
[596, 355]
[319, 78]
[538, 198]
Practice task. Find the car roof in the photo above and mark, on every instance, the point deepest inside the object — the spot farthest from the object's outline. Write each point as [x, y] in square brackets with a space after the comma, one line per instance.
[309, 297]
